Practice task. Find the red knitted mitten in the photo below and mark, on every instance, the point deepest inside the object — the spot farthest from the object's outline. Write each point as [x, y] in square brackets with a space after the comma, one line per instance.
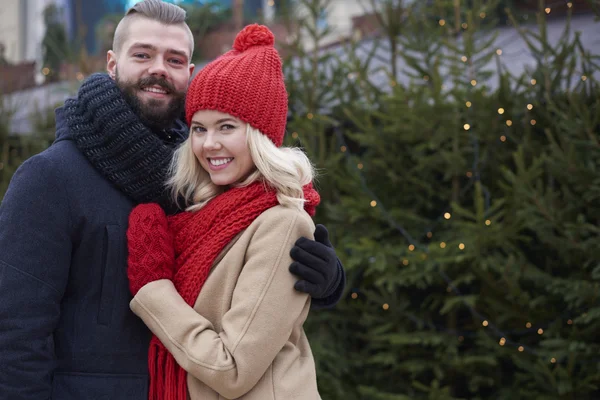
[151, 250]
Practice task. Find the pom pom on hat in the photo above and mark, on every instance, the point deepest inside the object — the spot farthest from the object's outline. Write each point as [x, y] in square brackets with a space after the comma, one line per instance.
[253, 35]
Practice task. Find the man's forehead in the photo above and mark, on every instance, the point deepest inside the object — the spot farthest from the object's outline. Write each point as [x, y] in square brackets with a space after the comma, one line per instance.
[157, 35]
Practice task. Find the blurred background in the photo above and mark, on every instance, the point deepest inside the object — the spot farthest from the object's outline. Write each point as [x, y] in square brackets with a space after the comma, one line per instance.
[458, 143]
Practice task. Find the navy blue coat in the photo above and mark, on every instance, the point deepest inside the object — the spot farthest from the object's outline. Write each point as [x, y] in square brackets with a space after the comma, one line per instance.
[66, 329]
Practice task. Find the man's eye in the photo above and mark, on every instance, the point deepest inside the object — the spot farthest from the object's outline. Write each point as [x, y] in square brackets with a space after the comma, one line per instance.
[178, 62]
[141, 55]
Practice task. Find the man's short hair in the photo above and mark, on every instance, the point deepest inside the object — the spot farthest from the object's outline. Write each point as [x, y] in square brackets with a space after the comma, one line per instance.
[155, 10]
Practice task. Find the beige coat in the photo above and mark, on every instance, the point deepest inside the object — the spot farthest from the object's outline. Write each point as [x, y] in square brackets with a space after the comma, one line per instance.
[244, 336]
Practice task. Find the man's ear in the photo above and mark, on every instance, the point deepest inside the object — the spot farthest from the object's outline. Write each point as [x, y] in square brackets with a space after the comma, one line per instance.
[111, 64]
[191, 67]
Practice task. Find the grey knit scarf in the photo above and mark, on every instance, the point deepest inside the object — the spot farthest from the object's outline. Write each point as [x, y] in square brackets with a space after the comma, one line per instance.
[112, 137]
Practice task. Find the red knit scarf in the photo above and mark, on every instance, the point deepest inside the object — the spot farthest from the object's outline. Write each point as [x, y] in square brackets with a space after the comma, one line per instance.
[199, 238]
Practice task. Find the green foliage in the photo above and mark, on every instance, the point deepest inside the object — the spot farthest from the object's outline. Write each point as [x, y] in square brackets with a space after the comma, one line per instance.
[55, 46]
[498, 298]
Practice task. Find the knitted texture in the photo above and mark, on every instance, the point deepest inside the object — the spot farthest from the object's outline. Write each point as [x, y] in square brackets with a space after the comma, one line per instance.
[114, 140]
[151, 251]
[246, 82]
[199, 238]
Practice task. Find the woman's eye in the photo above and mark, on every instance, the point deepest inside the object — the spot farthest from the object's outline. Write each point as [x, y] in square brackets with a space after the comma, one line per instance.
[198, 129]
[227, 127]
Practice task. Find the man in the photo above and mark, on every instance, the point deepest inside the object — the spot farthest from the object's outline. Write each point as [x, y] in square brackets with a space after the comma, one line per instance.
[66, 330]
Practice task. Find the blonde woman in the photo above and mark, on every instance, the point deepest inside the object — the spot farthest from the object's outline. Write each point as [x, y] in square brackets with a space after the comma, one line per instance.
[212, 283]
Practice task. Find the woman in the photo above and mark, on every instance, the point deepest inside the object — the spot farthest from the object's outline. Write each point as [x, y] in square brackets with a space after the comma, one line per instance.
[213, 283]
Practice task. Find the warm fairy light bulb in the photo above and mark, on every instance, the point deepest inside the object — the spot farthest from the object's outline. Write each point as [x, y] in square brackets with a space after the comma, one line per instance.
[583, 78]
[547, 9]
[360, 166]
[426, 77]
[468, 104]
[482, 15]
[461, 246]
[443, 245]
[386, 306]
[530, 106]
[469, 174]
[521, 348]
[528, 325]
[533, 81]
[373, 203]
[473, 82]
[442, 22]
[429, 234]
[570, 322]
[354, 296]
[485, 323]
[501, 111]
[343, 149]
[309, 115]
[405, 262]
[447, 215]
[553, 360]
[463, 58]
[503, 138]
[488, 222]
[499, 52]
[502, 341]
[533, 122]
[411, 247]
[569, 4]
[540, 331]
[464, 25]
[466, 127]
[508, 122]
[295, 135]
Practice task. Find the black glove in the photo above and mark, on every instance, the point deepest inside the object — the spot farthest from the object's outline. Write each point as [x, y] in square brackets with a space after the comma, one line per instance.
[316, 263]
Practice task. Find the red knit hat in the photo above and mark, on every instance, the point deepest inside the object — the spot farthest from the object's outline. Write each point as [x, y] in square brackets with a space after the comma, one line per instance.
[246, 82]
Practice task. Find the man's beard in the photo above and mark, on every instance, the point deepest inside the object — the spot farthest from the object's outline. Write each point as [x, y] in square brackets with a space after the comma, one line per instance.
[153, 112]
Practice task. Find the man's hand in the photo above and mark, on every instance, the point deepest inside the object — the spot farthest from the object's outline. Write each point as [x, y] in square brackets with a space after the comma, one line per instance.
[151, 249]
[316, 263]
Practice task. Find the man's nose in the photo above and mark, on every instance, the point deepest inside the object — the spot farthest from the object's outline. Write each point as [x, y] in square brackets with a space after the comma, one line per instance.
[158, 67]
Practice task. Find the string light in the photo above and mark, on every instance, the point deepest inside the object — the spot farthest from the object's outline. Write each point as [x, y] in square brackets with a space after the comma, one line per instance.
[360, 166]
[426, 77]
[533, 82]
[343, 149]
[355, 295]
[295, 135]
[79, 76]
[540, 331]
[508, 122]
[464, 58]
[405, 262]
[393, 83]
[45, 71]
[528, 325]
[530, 106]
[443, 245]
[521, 348]
[548, 9]
[553, 360]
[373, 203]
[570, 322]
[485, 323]
[503, 138]
[533, 122]
[488, 222]
[502, 341]
[583, 78]
[411, 247]
[468, 104]
[501, 111]
[469, 174]
[473, 82]
[466, 127]
[461, 246]
[482, 15]
[499, 52]
[569, 4]
[447, 215]
[386, 306]
[429, 234]
[464, 25]
[442, 22]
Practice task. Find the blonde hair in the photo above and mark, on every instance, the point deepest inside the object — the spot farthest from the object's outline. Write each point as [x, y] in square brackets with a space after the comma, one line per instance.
[286, 169]
[155, 10]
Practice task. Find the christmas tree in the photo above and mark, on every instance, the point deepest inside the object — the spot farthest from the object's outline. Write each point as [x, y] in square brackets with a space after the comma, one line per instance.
[460, 196]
